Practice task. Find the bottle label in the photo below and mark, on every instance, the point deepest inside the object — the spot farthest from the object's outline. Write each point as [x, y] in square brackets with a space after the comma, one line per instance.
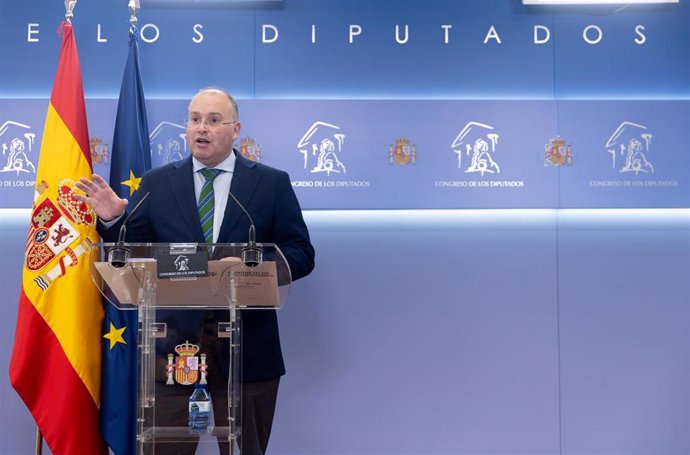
[203, 406]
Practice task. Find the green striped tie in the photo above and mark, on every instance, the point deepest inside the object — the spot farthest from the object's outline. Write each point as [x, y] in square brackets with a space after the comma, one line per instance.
[206, 203]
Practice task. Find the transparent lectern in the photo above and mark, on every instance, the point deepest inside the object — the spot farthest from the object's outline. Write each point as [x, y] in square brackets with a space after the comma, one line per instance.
[156, 279]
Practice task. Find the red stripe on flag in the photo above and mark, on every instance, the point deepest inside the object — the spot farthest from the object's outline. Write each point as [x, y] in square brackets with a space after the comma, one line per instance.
[67, 97]
[51, 388]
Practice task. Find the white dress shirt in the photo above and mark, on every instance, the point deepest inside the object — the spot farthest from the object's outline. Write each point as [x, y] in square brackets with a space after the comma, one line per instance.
[221, 188]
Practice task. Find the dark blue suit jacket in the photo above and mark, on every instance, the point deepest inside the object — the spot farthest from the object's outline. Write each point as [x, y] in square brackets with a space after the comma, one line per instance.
[169, 214]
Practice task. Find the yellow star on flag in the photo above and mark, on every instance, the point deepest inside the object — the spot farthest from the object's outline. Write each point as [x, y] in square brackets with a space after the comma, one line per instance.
[115, 336]
[132, 183]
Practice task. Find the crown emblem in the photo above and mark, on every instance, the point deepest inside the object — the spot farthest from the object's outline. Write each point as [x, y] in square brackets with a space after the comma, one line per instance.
[79, 211]
[41, 187]
[186, 349]
[94, 142]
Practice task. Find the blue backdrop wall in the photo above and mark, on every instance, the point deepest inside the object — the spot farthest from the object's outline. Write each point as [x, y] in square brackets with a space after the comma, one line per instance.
[501, 211]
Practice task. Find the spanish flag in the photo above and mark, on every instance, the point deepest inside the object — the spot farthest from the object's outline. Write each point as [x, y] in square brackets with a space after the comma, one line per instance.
[56, 358]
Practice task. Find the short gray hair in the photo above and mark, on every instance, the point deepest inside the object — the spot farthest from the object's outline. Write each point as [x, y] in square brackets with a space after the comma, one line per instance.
[233, 101]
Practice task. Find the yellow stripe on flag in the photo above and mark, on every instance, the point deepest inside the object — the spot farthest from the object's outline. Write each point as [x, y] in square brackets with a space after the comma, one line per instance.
[71, 306]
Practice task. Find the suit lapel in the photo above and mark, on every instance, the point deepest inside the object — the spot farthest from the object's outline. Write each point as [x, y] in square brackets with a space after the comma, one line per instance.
[244, 182]
[182, 183]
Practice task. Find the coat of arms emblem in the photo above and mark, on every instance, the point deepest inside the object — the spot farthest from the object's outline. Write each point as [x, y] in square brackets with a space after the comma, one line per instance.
[55, 232]
[250, 149]
[558, 153]
[404, 152]
[187, 366]
[99, 150]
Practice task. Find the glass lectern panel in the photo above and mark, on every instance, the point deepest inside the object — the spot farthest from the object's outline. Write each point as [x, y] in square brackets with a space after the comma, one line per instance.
[189, 299]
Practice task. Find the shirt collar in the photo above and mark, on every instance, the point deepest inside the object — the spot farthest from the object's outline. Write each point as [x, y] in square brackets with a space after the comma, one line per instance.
[227, 165]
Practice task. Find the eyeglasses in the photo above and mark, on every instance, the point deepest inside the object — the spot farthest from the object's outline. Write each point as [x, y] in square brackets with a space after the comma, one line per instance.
[209, 122]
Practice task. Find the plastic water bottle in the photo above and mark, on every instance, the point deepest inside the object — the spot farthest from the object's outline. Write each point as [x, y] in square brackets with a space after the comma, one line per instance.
[199, 408]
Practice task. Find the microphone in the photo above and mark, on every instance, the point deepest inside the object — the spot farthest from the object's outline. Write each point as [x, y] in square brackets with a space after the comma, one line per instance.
[120, 254]
[252, 255]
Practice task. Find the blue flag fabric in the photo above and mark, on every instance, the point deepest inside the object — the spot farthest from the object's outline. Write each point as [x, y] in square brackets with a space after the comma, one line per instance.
[131, 157]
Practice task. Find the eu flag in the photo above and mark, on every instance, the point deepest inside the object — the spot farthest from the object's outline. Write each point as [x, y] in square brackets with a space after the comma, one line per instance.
[131, 157]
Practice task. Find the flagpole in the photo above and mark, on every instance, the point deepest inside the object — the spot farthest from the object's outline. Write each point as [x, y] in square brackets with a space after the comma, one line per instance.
[39, 442]
[133, 10]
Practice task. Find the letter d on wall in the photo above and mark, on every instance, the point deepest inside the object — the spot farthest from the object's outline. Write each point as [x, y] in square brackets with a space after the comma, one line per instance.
[265, 32]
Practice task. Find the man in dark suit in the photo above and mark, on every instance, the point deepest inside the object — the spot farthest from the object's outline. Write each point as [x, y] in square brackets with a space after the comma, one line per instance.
[171, 213]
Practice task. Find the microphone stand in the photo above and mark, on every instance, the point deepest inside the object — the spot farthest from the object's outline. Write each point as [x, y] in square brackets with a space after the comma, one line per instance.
[120, 254]
[252, 255]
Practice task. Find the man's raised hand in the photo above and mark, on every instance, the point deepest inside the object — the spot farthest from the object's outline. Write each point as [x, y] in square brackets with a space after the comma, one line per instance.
[101, 198]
